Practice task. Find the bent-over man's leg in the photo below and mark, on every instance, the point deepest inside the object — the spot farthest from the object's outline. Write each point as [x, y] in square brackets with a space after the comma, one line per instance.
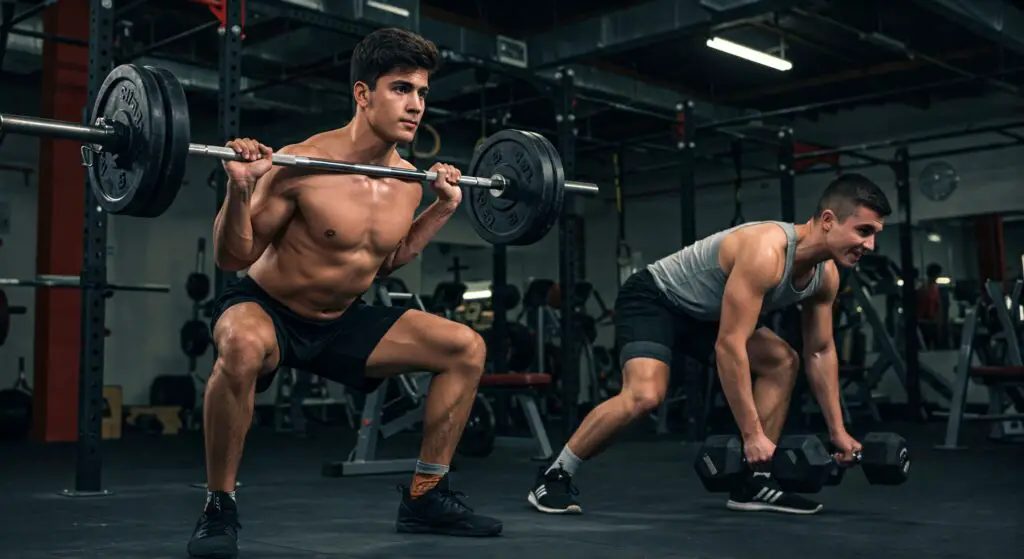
[645, 332]
[420, 341]
[773, 366]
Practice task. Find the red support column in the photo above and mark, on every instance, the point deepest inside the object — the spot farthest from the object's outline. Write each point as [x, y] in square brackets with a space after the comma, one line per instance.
[988, 239]
[60, 228]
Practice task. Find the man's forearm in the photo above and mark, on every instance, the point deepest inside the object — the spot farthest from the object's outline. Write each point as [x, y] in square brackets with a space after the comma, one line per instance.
[423, 230]
[232, 229]
[823, 377]
[734, 373]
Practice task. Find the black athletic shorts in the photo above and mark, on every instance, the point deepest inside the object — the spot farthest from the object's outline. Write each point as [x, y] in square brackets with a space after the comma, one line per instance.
[647, 324]
[333, 349]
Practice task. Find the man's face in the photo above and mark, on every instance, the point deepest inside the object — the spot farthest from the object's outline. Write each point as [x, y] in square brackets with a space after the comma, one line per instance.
[395, 107]
[849, 239]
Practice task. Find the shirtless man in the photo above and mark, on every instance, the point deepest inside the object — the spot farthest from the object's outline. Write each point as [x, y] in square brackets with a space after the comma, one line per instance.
[313, 244]
[707, 299]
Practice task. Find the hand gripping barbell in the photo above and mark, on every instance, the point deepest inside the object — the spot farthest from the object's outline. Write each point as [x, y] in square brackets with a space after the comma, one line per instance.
[139, 138]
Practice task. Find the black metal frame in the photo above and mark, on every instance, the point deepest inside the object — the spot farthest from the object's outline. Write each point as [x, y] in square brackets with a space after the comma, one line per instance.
[911, 357]
[89, 463]
[787, 174]
[228, 110]
[567, 265]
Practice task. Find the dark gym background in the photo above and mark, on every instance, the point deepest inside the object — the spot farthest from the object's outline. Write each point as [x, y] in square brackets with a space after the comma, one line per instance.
[683, 139]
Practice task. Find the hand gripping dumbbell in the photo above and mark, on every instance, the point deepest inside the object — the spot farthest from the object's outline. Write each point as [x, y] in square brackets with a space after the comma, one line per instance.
[721, 465]
[805, 464]
[801, 463]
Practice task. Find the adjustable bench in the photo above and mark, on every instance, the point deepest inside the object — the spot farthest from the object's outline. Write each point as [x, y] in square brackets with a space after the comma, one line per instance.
[1002, 381]
[524, 389]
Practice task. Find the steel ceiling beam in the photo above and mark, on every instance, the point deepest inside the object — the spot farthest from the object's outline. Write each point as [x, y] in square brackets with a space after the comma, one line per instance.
[997, 20]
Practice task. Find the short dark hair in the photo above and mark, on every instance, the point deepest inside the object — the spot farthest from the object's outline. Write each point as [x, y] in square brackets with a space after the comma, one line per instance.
[933, 270]
[848, 192]
[388, 49]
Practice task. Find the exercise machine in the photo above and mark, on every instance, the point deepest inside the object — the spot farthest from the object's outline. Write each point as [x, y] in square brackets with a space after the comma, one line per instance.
[362, 460]
[1005, 382]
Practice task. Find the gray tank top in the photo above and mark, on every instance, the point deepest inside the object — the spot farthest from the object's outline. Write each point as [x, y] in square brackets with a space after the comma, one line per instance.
[693, 280]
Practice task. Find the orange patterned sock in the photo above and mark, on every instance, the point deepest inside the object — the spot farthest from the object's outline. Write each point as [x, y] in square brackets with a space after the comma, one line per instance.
[421, 483]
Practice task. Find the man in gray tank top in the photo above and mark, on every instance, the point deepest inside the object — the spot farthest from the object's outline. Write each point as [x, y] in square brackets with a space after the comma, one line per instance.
[707, 301]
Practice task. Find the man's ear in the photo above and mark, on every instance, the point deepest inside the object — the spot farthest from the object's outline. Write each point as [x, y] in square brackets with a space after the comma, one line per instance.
[828, 220]
[361, 94]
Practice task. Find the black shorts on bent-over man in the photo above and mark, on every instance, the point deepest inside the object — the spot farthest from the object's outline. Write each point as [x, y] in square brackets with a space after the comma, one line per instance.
[333, 349]
[648, 325]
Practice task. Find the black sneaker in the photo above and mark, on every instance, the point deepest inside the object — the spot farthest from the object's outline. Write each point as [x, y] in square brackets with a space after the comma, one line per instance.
[554, 493]
[761, 493]
[216, 533]
[439, 511]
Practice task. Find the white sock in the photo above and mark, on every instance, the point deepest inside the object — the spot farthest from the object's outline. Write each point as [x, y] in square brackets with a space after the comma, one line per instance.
[567, 461]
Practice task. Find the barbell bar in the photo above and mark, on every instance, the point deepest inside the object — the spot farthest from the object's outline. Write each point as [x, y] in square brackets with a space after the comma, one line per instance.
[497, 183]
[139, 138]
[75, 282]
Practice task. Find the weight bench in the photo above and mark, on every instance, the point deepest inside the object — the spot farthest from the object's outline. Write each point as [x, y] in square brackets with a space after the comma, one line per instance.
[524, 388]
[362, 460]
[1002, 381]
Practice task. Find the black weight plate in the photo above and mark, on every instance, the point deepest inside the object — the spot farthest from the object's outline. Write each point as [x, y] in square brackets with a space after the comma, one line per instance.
[520, 216]
[123, 179]
[179, 134]
[550, 194]
[559, 184]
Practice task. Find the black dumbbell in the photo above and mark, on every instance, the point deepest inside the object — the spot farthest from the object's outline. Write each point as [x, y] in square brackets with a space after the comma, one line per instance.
[806, 464]
[721, 465]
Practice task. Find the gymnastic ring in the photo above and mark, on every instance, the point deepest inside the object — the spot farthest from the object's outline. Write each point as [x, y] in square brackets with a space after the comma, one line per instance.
[433, 151]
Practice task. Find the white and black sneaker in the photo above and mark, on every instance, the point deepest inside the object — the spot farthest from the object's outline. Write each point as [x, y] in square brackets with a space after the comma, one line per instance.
[554, 493]
[761, 493]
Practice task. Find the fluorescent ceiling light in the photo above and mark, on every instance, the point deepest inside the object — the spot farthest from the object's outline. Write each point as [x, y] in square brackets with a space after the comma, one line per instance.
[943, 280]
[750, 54]
[385, 7]
[477, 295]
[934, 238]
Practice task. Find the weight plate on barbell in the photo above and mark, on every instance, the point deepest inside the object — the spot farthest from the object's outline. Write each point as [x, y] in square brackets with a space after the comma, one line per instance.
[522, 215]
[559, 189]
[179, 134]
[123, 178]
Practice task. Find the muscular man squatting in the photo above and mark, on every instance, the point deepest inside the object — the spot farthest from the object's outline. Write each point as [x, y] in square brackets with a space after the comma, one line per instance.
[313, 244]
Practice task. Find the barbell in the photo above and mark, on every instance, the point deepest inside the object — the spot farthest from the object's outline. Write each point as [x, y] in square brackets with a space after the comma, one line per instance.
[139, 139]
[54, 280]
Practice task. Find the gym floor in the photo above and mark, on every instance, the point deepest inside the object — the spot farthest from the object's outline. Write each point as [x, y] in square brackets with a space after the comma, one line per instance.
[641, 499]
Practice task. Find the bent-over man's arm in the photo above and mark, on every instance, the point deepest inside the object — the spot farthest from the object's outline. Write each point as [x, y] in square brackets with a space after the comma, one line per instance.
[757, 270]
[820, 358]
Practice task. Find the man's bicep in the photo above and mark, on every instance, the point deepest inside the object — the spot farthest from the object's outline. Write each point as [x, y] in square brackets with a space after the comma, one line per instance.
[272, 206]
[741, 304]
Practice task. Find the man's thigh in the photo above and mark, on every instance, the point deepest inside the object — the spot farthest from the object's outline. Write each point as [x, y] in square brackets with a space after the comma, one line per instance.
[644, 325]
[375, 342]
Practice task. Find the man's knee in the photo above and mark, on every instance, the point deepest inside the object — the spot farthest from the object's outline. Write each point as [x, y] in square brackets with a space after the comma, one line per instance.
[645, 384]
[468, 348]
[240, 356]
[783, 365]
